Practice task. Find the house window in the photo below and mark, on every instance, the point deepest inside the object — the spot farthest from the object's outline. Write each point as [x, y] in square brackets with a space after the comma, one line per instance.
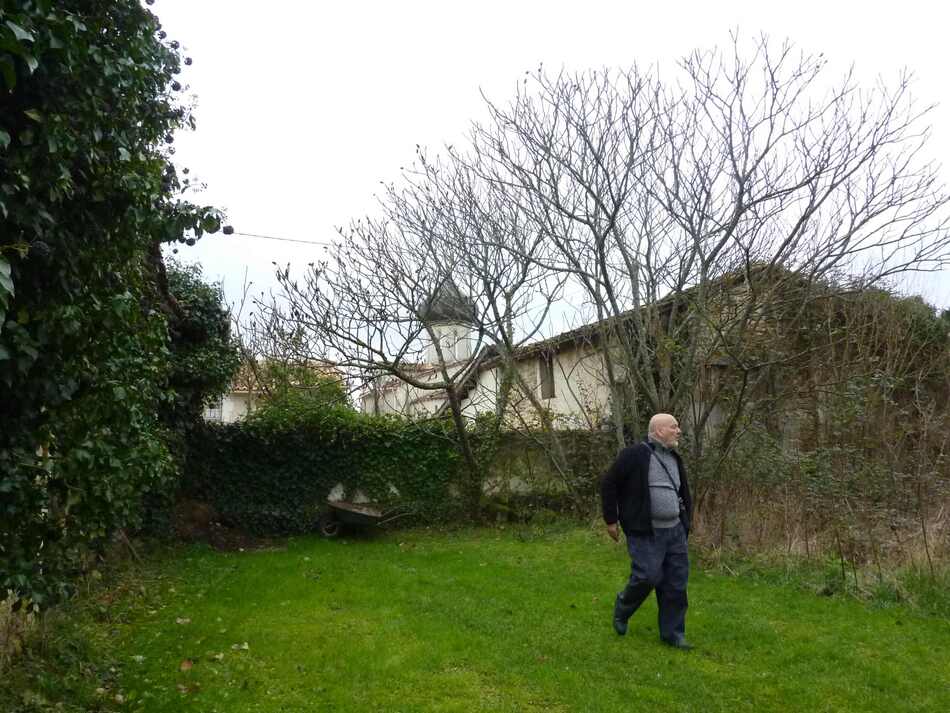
[547, 376]
[215, 411]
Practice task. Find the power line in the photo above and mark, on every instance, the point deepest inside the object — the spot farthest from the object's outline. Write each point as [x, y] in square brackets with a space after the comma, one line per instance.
[401, 249]
[285, 240]
[307, 242]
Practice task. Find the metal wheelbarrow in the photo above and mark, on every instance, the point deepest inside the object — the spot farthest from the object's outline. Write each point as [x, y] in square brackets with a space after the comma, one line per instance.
[340, 513]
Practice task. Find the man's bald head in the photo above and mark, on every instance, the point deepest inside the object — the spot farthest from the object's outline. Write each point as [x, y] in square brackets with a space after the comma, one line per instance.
[665, 429]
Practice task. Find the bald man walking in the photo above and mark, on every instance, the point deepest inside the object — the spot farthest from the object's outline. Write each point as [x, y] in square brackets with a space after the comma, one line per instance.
[646, 491]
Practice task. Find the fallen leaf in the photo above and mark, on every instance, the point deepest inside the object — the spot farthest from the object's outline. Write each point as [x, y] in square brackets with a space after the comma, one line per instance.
[182, 620]
[185, 665]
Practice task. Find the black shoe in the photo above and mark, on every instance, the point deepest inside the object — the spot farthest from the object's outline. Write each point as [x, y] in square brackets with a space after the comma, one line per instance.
[678, 643]
[620, 624]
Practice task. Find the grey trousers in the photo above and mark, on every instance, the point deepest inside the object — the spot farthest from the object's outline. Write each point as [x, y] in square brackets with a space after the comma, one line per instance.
[659, 562]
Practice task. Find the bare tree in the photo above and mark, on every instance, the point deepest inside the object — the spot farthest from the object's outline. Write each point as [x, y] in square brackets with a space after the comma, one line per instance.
[440, 241]
[695, 221]
[691, 216]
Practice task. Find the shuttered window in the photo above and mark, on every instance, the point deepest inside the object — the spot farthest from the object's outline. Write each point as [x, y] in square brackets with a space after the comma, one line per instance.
[547, 376]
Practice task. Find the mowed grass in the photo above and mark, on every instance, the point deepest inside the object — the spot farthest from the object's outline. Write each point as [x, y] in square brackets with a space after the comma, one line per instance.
[489, 620]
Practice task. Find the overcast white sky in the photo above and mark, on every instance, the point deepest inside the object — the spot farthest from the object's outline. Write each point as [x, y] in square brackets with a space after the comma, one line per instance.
[303, 107]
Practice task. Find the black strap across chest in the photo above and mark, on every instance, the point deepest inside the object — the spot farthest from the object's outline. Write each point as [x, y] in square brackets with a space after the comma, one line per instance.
[667, 470]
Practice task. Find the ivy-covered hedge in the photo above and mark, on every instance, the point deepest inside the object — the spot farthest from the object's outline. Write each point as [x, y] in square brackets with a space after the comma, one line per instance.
[272, 475]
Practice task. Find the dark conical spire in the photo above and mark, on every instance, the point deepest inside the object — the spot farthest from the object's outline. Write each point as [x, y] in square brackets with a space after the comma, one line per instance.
[447, 304]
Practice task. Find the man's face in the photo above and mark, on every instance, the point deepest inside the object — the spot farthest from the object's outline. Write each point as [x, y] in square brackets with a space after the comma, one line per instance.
[668, 432]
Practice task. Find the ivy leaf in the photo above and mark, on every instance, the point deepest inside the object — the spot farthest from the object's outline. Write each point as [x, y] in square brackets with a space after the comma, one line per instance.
[34, 115]
[19, 32]
[9, 72]
[4, 139]
[6, 279]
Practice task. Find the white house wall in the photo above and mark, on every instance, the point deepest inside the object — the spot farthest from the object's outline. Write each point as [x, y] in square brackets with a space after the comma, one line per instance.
[388, 400]
[581, 395]
[484, 395]
[232, 407]
[397, 397]
[456, 342]
[237, 406]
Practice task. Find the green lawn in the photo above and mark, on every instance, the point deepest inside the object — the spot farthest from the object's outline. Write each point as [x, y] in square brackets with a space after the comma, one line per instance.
[488, 620]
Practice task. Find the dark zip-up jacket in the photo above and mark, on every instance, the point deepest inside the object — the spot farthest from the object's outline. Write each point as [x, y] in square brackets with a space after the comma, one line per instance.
[625, 490]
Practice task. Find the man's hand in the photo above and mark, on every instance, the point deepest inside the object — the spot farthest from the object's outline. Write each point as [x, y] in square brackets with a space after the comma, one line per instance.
[613, 531]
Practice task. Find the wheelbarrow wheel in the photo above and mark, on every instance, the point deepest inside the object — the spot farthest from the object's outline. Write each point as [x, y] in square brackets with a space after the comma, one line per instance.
[329, 527]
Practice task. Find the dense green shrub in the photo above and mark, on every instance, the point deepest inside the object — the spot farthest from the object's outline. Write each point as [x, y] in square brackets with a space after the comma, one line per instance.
[88, 108]
[272, 473]
[294, 385]
[204, 356]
